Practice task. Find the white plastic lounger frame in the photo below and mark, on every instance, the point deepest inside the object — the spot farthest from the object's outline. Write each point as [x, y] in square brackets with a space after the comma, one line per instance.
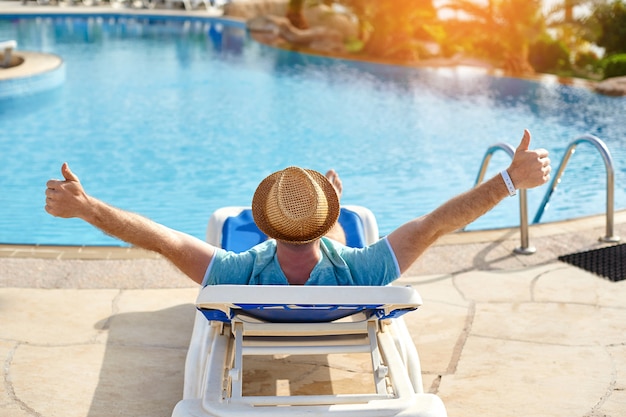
[232, 320]
[268, 320]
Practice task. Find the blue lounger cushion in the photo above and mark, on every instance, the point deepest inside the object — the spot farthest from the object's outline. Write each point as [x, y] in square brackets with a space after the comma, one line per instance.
[240, 233]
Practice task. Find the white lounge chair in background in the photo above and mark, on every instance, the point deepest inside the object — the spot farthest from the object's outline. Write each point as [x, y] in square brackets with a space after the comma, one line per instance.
[235, 321]
[215, 6]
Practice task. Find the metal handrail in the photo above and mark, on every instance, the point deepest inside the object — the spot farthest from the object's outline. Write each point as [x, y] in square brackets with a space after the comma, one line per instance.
[525, 248]
[610, 182]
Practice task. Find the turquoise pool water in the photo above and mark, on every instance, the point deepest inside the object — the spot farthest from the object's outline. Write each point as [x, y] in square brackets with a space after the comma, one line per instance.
[174, 118]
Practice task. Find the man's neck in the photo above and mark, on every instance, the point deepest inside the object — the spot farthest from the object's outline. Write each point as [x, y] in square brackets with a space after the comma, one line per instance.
[297, 261]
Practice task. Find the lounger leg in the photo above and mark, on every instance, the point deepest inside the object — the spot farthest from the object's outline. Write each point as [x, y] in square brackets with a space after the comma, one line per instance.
[410, 354]
[236, 373]
[380, 370]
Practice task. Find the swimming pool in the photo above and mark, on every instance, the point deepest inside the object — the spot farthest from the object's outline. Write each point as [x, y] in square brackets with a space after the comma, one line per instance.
[174, 118]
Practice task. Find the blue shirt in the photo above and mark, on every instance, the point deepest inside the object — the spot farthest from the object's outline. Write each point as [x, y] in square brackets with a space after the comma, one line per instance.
[339, 265]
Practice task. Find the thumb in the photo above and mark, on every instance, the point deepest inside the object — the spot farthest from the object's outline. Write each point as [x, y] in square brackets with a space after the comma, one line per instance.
[525, 142]
[68, 174]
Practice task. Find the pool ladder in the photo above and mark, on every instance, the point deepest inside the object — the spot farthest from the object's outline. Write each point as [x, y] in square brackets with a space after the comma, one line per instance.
[525, 248]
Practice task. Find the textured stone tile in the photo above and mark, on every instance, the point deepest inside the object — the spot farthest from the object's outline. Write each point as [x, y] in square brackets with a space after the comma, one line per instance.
[436, 329]
[57, 381]
[434, 288]
[503, 286]
[92, 273]
[614, 404]
[511, 378]
[438, 324]
[14, 410]
[10, 406]
[99, 380]
[155, 299]
[56, 317]
[139, 382]
[557, 323]
[308, 375]
[153, 318]
[431, 382]
[566, 283]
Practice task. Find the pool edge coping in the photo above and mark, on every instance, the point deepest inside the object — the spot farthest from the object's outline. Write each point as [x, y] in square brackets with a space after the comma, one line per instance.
[88, 252]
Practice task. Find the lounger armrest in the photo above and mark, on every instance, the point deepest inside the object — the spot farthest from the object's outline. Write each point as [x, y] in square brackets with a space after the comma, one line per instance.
[304, 303]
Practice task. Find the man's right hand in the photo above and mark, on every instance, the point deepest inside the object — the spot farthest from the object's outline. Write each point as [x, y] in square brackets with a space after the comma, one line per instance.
[66, 198]
[530, 167]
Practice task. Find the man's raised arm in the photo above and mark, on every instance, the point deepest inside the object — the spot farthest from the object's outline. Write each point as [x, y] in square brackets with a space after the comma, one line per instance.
[67, 198]
[529, 168]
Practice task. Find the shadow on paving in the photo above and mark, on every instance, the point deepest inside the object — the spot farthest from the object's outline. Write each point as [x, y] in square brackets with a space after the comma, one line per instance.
[143, 365]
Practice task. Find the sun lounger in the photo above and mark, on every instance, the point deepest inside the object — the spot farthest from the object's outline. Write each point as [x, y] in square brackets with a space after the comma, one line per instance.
[234, 322]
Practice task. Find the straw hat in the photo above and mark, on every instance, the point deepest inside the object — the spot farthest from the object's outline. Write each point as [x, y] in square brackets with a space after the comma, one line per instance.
[295, 205]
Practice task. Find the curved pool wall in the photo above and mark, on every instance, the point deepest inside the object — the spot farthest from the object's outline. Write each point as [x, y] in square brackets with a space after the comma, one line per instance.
[41, 81]
[176, 117]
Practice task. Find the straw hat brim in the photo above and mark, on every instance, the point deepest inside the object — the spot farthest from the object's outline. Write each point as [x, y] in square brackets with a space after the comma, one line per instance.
[278, 228]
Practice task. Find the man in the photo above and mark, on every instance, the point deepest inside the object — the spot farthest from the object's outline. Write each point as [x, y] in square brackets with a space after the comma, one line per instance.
[298, 208]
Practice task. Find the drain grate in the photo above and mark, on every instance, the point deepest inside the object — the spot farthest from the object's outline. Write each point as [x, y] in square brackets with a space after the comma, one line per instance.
[607, 262]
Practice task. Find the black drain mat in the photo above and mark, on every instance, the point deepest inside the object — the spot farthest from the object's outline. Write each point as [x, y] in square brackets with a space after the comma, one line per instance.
[607, 262]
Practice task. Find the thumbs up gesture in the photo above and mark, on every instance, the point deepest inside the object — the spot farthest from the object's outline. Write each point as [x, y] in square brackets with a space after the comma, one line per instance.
[66, 198]
[530, 168]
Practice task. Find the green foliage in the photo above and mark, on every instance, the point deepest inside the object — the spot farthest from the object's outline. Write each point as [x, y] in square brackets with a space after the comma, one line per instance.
[610, 18]
[549, 55]
[615, 66]
[587, 61]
